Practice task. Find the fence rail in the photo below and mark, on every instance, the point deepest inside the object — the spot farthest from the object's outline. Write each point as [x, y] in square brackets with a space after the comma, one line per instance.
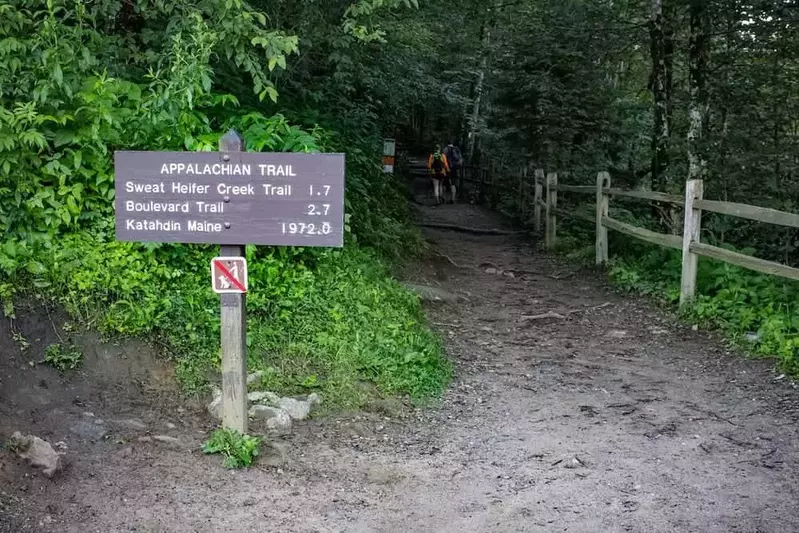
[661, 239]
[575, 188]
[746, 261]
[693, 204]
[647, 195]
[760, 214]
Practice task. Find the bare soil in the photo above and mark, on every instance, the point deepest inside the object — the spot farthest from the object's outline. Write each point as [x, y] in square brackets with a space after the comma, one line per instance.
[606, 416]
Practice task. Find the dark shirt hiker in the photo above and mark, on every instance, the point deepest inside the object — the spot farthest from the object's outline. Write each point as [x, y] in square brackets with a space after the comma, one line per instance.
[455, 159]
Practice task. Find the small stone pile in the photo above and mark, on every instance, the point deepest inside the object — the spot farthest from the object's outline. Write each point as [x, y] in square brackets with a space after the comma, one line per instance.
[278, 412]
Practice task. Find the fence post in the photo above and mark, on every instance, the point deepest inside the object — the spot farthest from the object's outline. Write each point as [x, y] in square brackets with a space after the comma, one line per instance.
[602, 209]
[539, 198]
[552, 205]
[692, 228]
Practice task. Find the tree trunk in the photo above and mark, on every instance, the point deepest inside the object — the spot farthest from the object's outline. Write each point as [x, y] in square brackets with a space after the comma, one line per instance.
[661, 49]
[697, 70]
[722, 146]
[779, 99]
[668, 61]
[474, 116]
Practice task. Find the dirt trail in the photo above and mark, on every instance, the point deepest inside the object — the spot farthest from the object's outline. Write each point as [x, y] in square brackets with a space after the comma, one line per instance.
[611, 419]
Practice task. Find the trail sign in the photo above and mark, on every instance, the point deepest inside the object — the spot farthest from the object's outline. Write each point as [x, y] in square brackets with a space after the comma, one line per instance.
[231, 198]
[229, 275]
[389, 151]
[279, 199]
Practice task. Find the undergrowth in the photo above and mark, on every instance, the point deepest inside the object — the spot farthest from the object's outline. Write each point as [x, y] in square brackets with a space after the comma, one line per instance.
[758, 313]
[63, 357]
[238, 450]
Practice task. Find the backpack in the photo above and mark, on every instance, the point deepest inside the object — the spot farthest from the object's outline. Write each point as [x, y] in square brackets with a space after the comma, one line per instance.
[453, 153]
[438, 164]
[457, 157]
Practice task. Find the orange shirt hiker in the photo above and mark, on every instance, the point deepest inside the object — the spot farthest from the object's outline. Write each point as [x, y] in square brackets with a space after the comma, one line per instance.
[436, 170]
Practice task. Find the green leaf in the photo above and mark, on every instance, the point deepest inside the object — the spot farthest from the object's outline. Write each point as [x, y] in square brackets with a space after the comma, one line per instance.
[35, 268]
[58, 74]
[10, 248]
[72, 205]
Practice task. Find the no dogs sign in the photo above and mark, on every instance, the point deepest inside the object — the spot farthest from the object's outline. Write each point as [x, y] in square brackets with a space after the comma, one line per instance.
[229, 275]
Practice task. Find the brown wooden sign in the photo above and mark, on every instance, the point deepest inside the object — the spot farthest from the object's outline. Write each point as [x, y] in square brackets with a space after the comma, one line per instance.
[281, 199]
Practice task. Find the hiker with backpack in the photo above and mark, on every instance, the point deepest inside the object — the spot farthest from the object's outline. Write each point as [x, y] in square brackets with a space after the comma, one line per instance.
[455, 160]
[439, 169]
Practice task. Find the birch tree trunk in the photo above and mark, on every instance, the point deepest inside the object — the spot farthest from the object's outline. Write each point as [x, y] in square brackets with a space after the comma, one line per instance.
[474, 116]
[489, 20]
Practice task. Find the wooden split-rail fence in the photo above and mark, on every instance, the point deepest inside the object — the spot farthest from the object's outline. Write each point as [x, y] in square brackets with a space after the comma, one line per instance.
[546, 213]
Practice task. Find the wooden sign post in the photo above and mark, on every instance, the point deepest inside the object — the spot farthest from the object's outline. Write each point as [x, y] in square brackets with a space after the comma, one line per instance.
[230, 198]
[233, 326]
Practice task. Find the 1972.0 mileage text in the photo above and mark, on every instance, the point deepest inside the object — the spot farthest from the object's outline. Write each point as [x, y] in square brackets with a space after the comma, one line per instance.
[304, 228]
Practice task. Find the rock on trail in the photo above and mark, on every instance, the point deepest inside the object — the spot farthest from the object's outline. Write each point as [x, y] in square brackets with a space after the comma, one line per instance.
[39, 453]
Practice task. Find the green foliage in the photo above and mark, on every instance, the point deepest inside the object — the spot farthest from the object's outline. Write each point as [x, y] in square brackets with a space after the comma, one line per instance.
[359, 18]
[333, 315]
[69, 94]
[63, 357]
[81, 80]
[743, 304]
[582, 100]
[756, 311]
[343, 323]
[239, 450]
